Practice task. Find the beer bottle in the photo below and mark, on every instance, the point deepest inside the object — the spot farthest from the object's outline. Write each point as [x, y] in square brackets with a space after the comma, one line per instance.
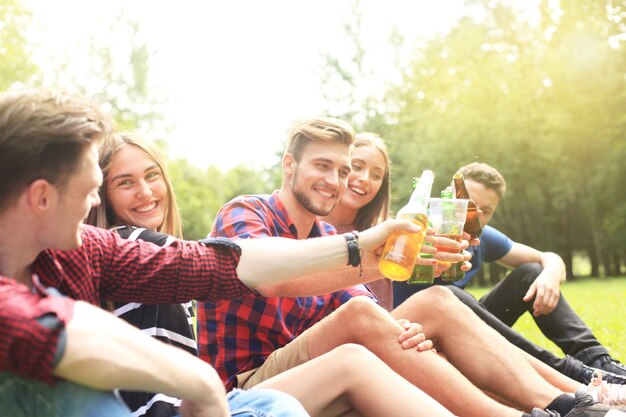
[446, 192]
[402, 248]
[472, 222]
[422, 274]
[454, 272]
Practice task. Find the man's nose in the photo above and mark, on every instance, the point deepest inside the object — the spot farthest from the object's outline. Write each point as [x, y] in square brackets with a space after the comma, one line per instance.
[332, 178]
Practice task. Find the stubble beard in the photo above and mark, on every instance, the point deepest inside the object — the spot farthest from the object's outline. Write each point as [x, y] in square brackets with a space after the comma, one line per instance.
[305, 201]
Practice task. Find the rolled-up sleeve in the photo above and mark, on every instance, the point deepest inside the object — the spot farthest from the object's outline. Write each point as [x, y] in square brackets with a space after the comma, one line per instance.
[28, 347]
[139, 271]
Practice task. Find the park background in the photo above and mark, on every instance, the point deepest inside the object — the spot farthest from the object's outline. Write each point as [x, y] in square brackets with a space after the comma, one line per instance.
[535, 88]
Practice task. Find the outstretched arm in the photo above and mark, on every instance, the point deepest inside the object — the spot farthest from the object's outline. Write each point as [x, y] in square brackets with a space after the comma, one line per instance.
[546, 288]
[326, 281]
[104, 352]
[272, 265]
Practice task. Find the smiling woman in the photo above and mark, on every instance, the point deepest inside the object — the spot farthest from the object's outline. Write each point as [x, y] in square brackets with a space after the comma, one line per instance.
[137, 189]
[366, 201]
[137, 192]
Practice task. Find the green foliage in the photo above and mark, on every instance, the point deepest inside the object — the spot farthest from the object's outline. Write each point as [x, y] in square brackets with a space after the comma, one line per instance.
[125, 89]
[201, 193]
[599, 302]
[242, 180]
[543, 101]
[114, 69]
[16, 64]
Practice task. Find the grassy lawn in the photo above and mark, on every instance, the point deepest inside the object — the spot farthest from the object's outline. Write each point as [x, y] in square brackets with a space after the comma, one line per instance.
[599, 302]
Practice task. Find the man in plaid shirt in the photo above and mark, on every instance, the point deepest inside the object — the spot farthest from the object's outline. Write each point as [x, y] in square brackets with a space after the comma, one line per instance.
[253, 337]
[49, 180]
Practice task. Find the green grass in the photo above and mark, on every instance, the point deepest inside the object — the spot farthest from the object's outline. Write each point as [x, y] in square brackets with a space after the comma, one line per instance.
[599, 302]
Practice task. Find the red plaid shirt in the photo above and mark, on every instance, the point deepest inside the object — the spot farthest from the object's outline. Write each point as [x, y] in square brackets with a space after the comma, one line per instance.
[239, 334]
[110, 268]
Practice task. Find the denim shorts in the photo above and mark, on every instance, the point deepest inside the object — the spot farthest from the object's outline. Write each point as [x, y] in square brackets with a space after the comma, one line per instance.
[261, 402]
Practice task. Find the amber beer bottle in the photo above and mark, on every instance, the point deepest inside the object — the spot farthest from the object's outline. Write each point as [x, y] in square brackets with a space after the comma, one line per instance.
[472, 222]
[402, 248]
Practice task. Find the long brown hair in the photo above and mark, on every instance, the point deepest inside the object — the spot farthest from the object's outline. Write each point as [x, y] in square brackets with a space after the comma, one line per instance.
[376, 210]
[103, 215]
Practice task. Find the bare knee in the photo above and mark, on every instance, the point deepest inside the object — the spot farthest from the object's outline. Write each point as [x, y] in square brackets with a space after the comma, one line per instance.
[433, 303]
[359, 307]
[439, 292]
[352, 355]
[361, 316]
[353, 360]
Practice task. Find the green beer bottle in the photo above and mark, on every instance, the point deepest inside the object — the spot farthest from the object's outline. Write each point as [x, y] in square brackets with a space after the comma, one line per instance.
[454, 273]
[422, 274]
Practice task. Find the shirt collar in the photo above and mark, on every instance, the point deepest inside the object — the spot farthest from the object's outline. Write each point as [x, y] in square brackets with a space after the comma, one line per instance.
[279, 208]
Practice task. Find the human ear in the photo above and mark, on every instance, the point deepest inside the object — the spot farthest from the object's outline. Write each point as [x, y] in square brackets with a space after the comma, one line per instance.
[40, 194]
[289, 164]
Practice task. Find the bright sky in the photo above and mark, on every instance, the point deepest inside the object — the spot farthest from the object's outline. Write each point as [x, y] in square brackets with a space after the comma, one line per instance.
[239, 73]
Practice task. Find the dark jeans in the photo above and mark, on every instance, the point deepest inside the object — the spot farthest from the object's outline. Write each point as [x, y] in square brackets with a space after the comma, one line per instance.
[503, 305]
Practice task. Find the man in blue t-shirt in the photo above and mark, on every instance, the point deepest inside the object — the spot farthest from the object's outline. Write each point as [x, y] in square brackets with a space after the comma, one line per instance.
[533, 285]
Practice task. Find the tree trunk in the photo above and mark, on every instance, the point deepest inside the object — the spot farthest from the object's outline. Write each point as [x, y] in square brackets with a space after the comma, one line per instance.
[595, 267]
[479, 279]
[496, 273]
[569, 266]
[607, 266]
[617, 264]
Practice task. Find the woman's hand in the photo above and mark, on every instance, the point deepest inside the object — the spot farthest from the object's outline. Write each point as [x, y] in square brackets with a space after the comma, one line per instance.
[413, 336]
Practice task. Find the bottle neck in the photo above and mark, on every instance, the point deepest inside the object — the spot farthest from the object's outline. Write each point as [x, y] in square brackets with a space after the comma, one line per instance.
[421, 194]
[460, 190]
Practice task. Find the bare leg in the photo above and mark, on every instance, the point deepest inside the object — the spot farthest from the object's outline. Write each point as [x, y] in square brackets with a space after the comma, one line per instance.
[363, 322]
[554, 377]
[478, 351]
[351, 381]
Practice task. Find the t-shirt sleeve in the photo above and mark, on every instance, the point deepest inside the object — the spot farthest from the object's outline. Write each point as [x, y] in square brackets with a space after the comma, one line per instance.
[493, 246]
[496, 244]
[29, 345]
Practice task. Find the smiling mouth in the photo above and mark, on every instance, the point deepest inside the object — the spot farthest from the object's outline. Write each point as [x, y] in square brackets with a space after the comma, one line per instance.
[325, 194]
[357, 190]
[146, 207]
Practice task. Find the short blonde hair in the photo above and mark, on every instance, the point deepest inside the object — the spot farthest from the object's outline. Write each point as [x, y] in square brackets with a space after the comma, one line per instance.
[318, 129]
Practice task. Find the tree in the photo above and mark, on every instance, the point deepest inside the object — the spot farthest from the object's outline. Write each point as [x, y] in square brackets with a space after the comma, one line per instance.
[16, 65]
[115, 72]
[501, 91]
[542, 100]
[199, 194]
[349, 74]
